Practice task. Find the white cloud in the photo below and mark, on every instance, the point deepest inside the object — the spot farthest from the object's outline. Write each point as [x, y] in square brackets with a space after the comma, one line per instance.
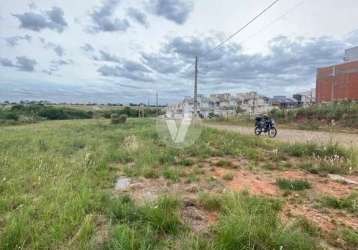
[133, 50]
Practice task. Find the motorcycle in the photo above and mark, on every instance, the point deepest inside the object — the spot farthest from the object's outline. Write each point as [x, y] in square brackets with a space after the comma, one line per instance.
[264, 124]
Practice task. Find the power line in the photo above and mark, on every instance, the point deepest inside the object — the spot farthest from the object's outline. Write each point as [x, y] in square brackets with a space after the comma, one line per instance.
[243, 27]
[264, 27]
[222, 43]
[234, 34]
[274, 21]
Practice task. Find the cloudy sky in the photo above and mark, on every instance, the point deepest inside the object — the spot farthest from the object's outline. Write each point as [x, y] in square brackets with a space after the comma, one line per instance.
[126, 50]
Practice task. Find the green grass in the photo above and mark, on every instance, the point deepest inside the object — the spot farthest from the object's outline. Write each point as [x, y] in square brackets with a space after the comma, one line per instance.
[211, 202]
[57, 179]
[163, 216]
[172, 173]
[307, 226]
[54, 175]
[293, 185]
[350, 236]
[187, 162]
[126, 237]
[50, 185]
[143, 227]
[301, 150]
[249, 222]
[192, 178]
[349, 203]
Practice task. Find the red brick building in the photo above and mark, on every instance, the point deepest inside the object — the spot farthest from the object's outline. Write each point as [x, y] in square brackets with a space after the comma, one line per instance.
[338, 82]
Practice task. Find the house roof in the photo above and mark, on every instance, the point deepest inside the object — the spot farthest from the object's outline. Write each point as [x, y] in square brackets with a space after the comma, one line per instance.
[283, 99]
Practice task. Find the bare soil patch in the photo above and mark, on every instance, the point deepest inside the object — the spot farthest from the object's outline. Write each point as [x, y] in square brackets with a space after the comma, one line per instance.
[148, 190]
[326, 219]
[245, 180]
[258, 181]
[297, 204]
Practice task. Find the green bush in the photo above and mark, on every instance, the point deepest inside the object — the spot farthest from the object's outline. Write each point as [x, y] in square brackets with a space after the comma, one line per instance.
[32, 112]
[123, 118]
[344, 113]
[294, 185]
[118, 119]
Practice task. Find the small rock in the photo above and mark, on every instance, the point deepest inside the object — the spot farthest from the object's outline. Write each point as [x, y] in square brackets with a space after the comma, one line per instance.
[122, 184]
[342, 179]
[149, 196]
[137, 186]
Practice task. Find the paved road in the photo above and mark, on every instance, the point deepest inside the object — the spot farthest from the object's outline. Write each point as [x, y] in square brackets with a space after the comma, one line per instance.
[302, 136]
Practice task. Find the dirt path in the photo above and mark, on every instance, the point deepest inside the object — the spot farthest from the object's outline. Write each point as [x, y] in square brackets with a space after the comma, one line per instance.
[301, 136]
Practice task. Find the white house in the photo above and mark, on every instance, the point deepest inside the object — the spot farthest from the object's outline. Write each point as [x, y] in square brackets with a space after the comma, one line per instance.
[254, 104]
[223, 105]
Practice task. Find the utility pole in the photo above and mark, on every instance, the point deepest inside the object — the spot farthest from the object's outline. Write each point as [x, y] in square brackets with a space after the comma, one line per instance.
[196, 87]
[333, 83]
[253, 104]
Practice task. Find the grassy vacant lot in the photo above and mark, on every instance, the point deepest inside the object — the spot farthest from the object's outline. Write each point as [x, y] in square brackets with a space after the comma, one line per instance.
[57, 189]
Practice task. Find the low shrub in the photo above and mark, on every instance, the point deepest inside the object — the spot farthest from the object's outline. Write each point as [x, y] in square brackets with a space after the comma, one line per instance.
[294, 185]
[29, 113]
[344, 113]
[118, 119]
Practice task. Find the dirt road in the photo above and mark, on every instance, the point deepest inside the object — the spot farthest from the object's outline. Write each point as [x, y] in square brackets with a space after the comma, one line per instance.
[301, 136]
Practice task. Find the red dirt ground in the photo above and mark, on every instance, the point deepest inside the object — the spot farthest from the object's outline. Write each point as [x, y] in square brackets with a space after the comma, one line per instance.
[262, 182]
[247, 180]
[258, 182]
